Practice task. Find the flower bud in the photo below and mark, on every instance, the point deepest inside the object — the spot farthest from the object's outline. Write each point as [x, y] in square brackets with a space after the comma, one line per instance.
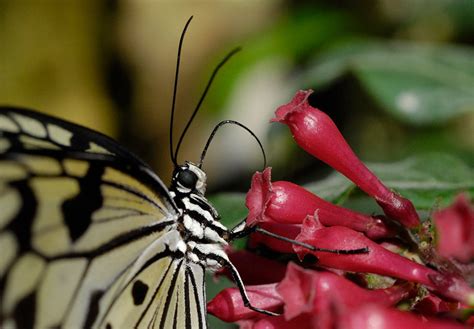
[316, 133]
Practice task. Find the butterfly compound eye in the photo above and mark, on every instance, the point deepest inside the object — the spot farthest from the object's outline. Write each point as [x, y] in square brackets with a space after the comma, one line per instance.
[187, 178]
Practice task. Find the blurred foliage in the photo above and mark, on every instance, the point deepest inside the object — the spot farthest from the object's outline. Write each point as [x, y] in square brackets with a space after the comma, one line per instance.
[418, 84]
[397, 77]
[428, 180]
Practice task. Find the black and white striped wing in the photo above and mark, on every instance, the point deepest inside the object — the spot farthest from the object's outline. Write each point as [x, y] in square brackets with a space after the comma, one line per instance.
[77, 211]
[168, 292]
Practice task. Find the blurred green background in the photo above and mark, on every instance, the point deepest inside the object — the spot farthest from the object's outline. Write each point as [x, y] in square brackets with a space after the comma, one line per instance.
[397, 77]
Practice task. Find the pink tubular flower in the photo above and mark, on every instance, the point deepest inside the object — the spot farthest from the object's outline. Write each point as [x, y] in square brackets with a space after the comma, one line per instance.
[378, 260]
[317, 134]
[288, 203]
[307, 297]
[455, 230]
[313, 292]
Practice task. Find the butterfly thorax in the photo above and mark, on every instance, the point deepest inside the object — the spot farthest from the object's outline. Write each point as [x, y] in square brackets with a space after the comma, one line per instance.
[198, 221]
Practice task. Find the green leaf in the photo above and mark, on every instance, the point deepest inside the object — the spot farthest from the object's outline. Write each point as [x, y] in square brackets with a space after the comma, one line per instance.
[417, 83]
[334, 188]
[427, 180]
[231, 207]
[289, 38]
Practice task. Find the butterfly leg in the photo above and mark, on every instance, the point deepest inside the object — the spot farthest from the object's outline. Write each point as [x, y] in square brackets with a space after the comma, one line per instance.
[238, 281]
[240, 230]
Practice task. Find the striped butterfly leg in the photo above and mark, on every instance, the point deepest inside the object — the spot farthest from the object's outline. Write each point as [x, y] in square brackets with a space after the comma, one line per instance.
[239, 231]
[224, 262]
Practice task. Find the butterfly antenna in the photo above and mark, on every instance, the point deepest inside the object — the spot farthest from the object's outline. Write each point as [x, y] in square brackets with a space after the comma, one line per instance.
[175, 89]
[220, 124]
[214, 73]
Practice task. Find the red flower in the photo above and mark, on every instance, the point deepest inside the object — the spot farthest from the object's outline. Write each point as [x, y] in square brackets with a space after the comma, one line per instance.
[378, 260]
[309, 298]
[315, 293]
[316, 133]
[455, 230]
[288, 203]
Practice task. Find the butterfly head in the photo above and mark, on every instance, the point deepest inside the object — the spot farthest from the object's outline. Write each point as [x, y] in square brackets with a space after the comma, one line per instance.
[189, 178]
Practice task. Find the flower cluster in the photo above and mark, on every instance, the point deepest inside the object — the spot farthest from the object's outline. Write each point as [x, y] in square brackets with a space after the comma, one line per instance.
[423, 268]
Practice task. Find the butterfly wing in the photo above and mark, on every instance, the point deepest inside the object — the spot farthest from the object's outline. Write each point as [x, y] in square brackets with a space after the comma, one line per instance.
[167, 290]
[77, 211]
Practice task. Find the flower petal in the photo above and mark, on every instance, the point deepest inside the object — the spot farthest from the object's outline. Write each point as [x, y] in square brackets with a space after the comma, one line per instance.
[258, 197]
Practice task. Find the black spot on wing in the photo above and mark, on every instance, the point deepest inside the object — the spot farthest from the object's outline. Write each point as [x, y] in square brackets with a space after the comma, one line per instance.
[22, 224]
[108, 326]
[79, 209]
[79, 143]
[93, 310]
[25, 312]
[139, 291]
[158, 288]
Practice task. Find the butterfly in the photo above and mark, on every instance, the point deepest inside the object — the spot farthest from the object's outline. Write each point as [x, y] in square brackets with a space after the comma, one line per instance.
[91, 237]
